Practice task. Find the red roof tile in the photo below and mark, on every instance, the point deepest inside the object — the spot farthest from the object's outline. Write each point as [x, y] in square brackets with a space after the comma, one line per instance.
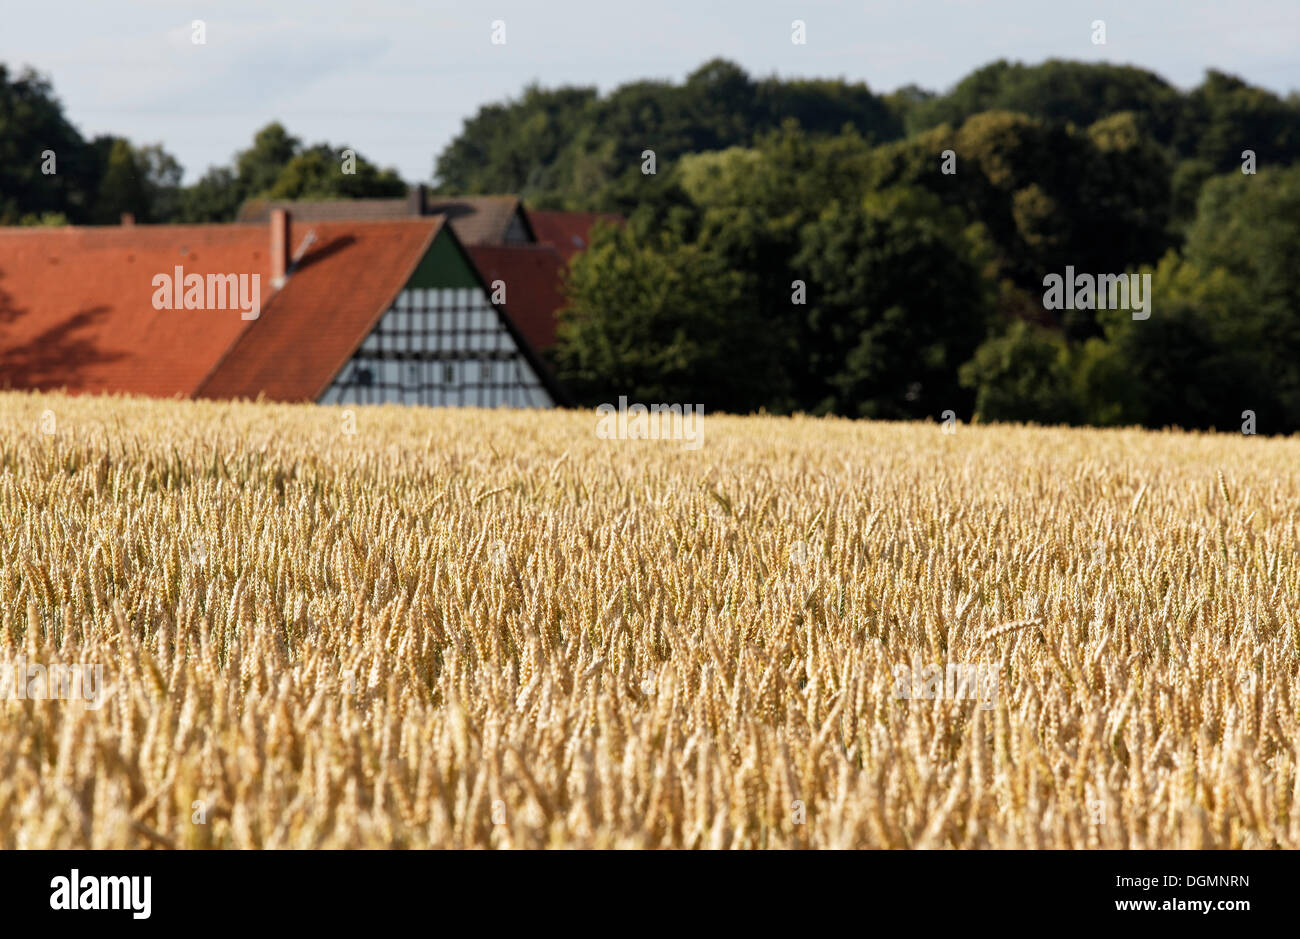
[76, 306]
[567, 232]
[531, 274]
[335, 294]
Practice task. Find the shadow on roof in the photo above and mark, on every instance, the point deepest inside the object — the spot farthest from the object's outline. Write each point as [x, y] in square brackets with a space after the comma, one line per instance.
[54, 358]
[330, 248]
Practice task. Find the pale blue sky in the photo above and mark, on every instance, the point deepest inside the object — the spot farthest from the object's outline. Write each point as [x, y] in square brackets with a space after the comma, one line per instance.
[395, 78]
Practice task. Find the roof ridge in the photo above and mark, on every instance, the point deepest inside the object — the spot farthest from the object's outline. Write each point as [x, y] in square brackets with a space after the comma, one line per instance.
[211, 226]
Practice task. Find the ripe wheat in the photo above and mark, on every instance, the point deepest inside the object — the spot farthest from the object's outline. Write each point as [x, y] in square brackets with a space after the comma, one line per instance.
[493, 629]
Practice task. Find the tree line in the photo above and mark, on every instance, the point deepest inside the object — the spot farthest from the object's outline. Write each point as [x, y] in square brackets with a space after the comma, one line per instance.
[51, 175]
[812, 246]
[809, 245]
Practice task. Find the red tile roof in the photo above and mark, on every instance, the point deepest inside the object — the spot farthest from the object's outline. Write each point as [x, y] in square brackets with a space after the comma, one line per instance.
[335, 294]
[531, 274]
[76, 306]
[567, 232]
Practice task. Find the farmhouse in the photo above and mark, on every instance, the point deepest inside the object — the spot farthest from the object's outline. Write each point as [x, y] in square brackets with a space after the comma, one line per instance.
[352, 310]
[525, 250]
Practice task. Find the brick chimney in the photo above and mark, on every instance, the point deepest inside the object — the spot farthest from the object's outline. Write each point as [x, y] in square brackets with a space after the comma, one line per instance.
[279, 247]
[128, 219]
[416, 202]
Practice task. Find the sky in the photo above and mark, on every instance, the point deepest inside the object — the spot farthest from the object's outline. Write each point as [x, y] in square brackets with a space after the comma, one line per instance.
[395, 79]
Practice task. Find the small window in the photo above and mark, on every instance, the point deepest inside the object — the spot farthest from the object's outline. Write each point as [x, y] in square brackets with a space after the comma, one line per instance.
[363, 377]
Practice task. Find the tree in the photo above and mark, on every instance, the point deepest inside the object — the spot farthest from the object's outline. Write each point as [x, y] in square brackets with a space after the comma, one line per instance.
[162, 182]
[1024, 374]
[571, 147]
[1189, 176]
[1193, 363]
[516, 146]
[123, 188]
[317, 173]
[1248, 228]
[277, 166]
[219, 193]
[751, 205]
[1048, 195]
[1056, 91]
[34, 131]
[897, 302]
[258, 167]
[216, 197]
[661, 321]
[1223, 116]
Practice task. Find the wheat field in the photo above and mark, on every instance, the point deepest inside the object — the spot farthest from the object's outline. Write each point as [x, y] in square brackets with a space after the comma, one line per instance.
[459, 628]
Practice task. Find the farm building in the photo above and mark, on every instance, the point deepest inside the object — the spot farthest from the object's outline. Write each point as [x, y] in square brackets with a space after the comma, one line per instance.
[347, 310]
[524, 250]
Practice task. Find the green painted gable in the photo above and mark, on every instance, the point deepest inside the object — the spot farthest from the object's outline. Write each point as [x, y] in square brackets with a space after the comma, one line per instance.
[444, 265]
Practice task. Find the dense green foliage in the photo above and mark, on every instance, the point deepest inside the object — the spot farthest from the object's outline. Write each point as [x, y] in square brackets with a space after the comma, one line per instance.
[870, 281]
[570, 147]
